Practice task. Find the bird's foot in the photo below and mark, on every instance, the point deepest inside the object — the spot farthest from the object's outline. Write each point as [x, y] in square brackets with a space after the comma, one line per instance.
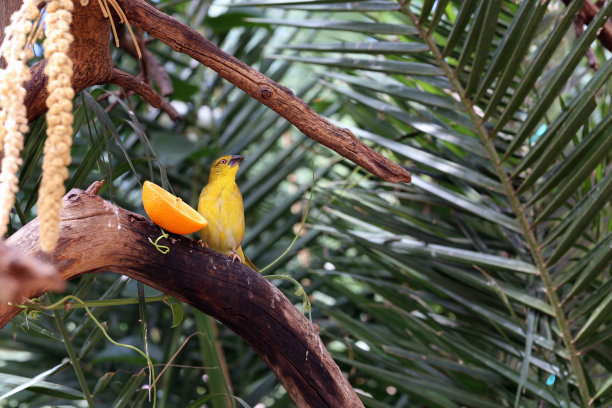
[203, 244]
[235, 257]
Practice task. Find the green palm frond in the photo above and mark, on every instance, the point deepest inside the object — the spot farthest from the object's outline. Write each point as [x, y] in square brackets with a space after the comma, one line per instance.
[484, 282]
[509, 209]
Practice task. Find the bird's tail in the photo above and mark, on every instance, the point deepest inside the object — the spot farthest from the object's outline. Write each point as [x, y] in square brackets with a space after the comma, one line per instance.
[246, 260]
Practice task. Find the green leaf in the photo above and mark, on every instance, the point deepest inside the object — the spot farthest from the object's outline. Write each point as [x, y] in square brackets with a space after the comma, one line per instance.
[599, 316]
[395, 67]
[565, 69]
[582, 215]
[395, 88]
[472, 206]
[484, 44]
[129, 389]
[369, 47]
[433, 129]
[351, 7]
[408, 246]
[37, 384]
[444, 166]
[531, 322]
[511, 52]
[428, 388]
[564, 127]
[223, 23]
[177, 313]
[604, 390]
[460, 25]
[103, 382]
[539, 64]
[576, 167]
[353, 26]
[589, 267]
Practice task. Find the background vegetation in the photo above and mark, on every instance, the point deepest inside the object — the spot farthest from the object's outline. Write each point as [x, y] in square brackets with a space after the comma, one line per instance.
[484, 283]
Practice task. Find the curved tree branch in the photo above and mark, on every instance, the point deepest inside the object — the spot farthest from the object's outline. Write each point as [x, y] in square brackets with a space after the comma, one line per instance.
[231, 292]
[92, 66]
[183, 38]
[588, 11]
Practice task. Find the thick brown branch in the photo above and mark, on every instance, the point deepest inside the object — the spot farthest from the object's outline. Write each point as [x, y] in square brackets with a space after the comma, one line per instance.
[92, 65]
[96, 235]
[183, 38]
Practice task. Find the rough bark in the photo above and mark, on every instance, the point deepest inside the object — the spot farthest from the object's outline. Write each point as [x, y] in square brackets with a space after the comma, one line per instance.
[588, 11]
[96, 235]
[90, 55]
[92, 65]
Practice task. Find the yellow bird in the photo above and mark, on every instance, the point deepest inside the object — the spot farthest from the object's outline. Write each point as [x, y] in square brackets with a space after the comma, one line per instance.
[221, 204]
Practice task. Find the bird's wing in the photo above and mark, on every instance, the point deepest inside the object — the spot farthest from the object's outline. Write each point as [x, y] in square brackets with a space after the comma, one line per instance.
[232, 214]
[208, 206]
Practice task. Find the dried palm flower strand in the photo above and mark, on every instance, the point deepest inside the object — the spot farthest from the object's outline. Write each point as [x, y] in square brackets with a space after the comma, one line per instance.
[59, 120]
[36, 31]
[122, 19]
[13, 114]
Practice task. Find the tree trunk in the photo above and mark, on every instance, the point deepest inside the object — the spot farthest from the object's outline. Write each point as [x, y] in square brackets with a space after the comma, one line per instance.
[7, 7]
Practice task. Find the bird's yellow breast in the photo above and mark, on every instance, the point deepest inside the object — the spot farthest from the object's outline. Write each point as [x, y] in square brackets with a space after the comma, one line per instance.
[221, 204]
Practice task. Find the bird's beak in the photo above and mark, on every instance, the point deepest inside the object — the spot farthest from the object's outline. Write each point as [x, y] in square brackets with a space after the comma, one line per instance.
[235, 160]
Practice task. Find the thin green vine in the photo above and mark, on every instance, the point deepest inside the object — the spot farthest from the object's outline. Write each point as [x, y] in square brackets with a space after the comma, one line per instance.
[33, 305]
[297, 234]
[61, 304]
[161, 248]
[74, 359]
[307, 307]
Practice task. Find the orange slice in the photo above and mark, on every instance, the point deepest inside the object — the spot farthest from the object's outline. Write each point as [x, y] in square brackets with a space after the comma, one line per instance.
[170, 212]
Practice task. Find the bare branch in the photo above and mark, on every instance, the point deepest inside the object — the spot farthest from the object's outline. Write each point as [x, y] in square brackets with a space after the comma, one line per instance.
[183, 38]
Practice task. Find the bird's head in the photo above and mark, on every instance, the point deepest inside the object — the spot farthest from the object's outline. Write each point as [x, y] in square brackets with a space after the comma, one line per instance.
[225, 167]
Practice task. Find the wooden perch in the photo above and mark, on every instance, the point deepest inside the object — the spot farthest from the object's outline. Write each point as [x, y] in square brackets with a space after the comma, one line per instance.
[92, 65]
[96, 235]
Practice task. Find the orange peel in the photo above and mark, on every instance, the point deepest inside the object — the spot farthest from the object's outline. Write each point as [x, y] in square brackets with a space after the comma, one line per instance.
[170, 212]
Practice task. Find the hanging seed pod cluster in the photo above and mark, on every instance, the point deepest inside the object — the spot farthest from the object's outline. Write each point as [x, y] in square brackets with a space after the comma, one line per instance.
[27, 25]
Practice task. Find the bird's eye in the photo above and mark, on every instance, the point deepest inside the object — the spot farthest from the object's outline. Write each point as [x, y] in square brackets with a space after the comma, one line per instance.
[223, 161]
